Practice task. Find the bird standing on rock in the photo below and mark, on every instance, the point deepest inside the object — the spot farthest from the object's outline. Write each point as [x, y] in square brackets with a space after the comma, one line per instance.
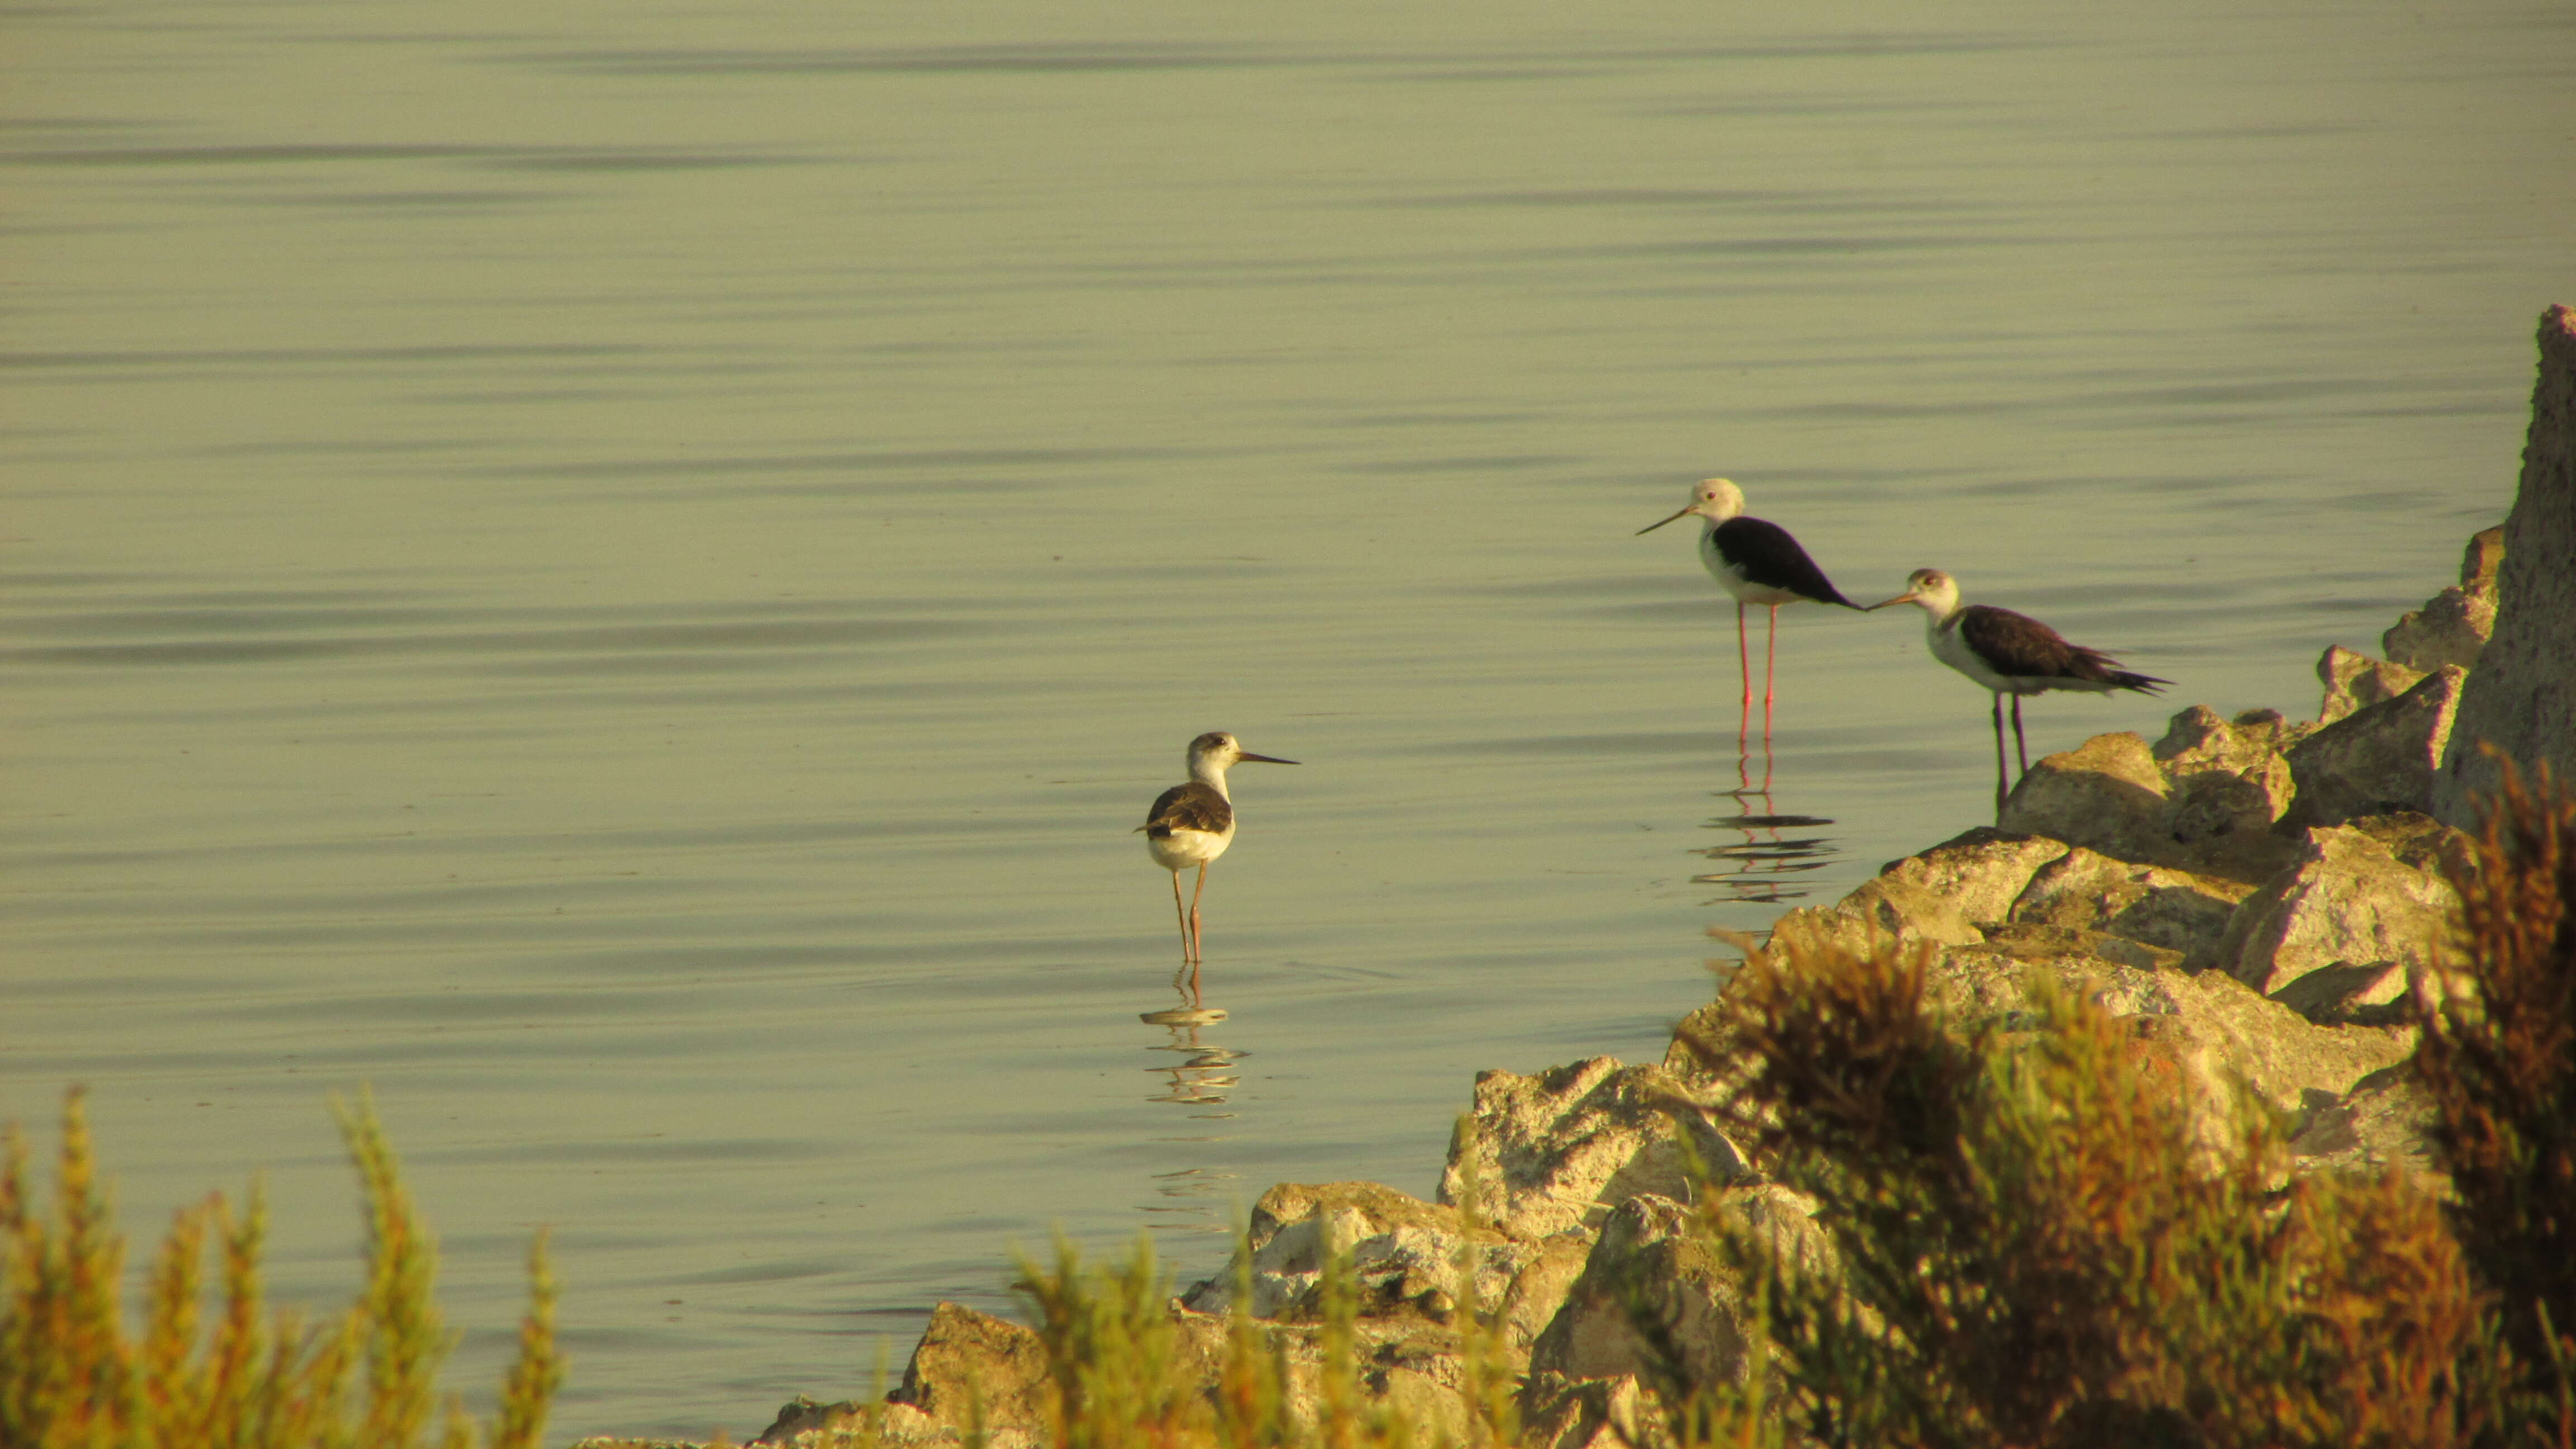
[2009, 653]
[1759, 563]
[1193, 823]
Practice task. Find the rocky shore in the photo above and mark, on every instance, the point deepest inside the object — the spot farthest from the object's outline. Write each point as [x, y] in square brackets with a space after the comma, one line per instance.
[2255, 897]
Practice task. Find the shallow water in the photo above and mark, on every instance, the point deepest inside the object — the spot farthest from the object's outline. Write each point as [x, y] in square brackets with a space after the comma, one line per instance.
[622, 576]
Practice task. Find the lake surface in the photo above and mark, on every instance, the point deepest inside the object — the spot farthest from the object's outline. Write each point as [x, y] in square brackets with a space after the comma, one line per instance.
[622, 575]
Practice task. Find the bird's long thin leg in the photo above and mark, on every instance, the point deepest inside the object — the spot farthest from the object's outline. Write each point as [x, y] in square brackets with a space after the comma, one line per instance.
[1999, 755]
[1744, 660]
[1182, 916]
[1770, 651]
[2019, 748]
[1198, 941]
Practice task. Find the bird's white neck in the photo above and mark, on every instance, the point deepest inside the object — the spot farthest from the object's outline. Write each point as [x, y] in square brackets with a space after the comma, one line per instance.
[1210, 771]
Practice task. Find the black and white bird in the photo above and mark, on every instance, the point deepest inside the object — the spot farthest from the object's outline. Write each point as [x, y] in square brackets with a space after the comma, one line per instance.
[2009, 653]
[1192, 824]
[1759, 563]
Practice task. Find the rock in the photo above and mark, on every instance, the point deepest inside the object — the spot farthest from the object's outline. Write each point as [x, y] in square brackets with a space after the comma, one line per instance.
[1648, 1262]
[2384, 1121]
[2107, 794]
[1980, 874]
[2345, 994]
[1404, 1254]
[1558, 1150]
[2453, 625]
[965, 1353]
[2349, 898]
[1562, 1413]
[2175, 910]
[2377, 760]
[2203, 799]
[2355, 681]
[2522, 696]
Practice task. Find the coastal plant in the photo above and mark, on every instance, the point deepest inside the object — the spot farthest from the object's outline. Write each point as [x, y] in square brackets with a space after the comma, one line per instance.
[2038, 1245]
[72, 1375]
[2498, 1060]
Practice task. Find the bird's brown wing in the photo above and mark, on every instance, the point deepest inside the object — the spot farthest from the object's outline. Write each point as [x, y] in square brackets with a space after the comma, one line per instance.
[1193, 806]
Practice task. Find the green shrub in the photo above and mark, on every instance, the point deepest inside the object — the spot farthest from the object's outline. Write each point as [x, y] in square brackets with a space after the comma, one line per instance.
[72, 1378]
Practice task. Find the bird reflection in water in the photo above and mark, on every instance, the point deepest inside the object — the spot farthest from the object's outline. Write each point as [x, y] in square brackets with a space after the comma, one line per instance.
[1776, 849]
[1197, 1075]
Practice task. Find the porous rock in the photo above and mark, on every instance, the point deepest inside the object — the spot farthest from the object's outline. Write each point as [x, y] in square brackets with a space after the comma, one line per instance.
[2384, 1121]
[2356, 681]
[1979, 873]
[2346, 993]
[2155, 905]
[2348, 898]
[1558, 1412]
[2522, 696]
[1559, 1149]
[2453, 626]
[2107, 794]
[1648, 1261]
[1404, 1254]
[2378, 760]
[963, 1354]
[2202, 799]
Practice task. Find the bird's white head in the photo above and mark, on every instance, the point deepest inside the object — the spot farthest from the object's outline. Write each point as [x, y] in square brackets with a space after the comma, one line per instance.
[1935, 592]
[1214, 753]
[1715, 499]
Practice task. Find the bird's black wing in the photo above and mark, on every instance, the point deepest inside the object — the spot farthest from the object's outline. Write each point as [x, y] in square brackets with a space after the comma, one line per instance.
[1193, 806]
[1765, 554]
[2021, 647]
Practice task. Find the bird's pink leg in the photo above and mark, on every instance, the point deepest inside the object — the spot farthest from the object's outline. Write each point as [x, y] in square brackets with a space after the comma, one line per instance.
[1198, 943]
[1770, 652]
[2019, 748]
[1744, 659]
[1182, 916]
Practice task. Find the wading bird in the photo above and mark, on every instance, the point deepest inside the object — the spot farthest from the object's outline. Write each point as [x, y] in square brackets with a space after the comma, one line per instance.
[1759, 563]
[1192, 824]
[2009, 653]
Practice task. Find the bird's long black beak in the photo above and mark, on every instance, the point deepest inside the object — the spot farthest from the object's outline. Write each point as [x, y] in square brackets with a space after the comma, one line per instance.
[1651, 527]
[1899, 599]
[1264, 759]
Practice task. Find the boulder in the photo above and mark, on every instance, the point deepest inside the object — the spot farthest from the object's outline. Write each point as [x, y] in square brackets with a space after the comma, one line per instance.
[1979, 874]
[2348, 898]
[1649, 1264]
[2107, 794]
[1616, 1413]
[2369, 993]
[2377, 760]
[964, 1354]
[1404, 1254]
[2172, 909]
[2385, 1121]
[1558, 1150]
[2202, 799]
[2453, 625]
[2355, 681]
[2522, 696]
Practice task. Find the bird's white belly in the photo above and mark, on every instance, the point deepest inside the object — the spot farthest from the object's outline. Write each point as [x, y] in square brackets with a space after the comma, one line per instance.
[1952, 650]
[1185, 848]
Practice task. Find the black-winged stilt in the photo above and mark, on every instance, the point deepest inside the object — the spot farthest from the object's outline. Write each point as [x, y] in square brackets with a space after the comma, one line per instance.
[2009, 653]
[1759, 563]
[1192, 824]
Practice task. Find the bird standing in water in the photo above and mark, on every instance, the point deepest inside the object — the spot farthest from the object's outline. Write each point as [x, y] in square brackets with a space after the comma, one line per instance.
[2009, 653]
[1193, 823]
[1759, 563]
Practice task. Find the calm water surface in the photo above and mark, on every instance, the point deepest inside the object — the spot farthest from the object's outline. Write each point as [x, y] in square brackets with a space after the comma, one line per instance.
[622, 575]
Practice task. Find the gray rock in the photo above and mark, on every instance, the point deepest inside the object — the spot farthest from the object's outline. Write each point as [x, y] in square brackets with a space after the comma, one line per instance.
[965, 1353]
[1650, 1264]
[2453, 625]
[1404, 1254]
[1616, 1413]
[2355, 681]
[2384, 1121]
[2377, 760]
[2371, 993]
[1979, 874]
[2203, 799]
[2349, 898]
[2107, 794]
[1560, 1149]
[2522, 697]
[2176, 910]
